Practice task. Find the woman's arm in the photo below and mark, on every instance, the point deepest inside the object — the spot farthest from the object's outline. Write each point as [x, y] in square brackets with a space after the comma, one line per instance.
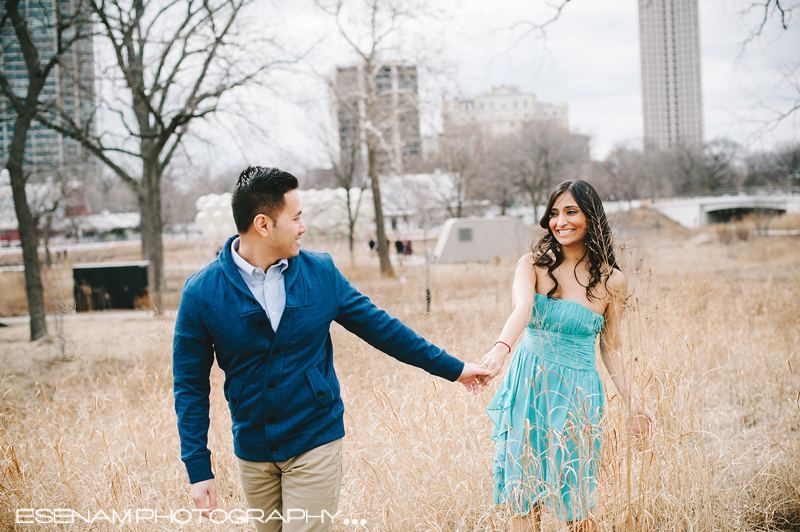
[522, 296]
[610, 350]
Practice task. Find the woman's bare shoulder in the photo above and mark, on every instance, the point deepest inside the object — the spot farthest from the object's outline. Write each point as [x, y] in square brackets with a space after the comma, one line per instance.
[528, 258]
[531, 262]
[616, 282]
[527, 265]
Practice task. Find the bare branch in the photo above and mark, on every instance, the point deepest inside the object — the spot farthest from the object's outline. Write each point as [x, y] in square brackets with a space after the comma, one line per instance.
[75, 132]
[532, 27]
[8, 92]
[770, 7]
[185, 39]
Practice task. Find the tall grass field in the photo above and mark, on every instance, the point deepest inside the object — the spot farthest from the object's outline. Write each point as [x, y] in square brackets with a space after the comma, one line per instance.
[712, 332]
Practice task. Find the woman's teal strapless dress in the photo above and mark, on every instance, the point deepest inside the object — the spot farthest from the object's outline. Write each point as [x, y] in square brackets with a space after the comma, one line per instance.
[547, 414]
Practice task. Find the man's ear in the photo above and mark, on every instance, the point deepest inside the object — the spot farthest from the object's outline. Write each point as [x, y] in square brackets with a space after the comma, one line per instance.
[262, 224]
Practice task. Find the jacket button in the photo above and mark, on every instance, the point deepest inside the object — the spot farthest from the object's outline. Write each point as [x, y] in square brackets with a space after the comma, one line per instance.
[271, 386]
[261, 323]
[320, 394]
[273, 449]
[276, 352]
[272, 421]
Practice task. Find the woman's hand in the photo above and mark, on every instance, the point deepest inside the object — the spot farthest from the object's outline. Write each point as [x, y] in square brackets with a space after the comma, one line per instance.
[643, 421]
[493, 361]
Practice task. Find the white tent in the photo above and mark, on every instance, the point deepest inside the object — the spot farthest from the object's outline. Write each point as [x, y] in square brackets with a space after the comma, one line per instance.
[324, 213]
[481, 239]
[215, 219]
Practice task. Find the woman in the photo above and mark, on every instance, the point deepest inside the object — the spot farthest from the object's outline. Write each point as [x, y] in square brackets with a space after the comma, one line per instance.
[548, 409]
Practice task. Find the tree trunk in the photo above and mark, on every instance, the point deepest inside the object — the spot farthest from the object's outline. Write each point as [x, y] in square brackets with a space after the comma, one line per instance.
[25, 221]
[151, 228]
[352, 254]
[351, 226]
[48, 225]
[27, 227]
[383, 249]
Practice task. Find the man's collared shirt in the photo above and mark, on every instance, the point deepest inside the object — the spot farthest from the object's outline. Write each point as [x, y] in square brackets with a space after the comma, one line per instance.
[268, 288]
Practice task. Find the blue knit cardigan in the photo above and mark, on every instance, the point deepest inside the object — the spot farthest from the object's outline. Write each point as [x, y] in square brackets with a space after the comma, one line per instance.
[281, 386]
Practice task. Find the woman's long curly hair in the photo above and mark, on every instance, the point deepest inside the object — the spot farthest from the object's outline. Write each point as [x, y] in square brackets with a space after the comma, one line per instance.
[599, 246]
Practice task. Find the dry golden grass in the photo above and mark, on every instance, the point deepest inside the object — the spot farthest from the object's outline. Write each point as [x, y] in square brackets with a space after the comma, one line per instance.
[713, 333]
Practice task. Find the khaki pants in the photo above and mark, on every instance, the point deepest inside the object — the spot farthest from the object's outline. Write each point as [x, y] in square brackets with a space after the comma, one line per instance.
[300, 494]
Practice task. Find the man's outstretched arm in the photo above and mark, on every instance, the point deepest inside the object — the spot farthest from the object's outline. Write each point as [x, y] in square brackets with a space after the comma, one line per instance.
[375, 326]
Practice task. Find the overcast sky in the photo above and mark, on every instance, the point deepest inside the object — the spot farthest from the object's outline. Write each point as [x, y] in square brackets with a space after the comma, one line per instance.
[588, 59]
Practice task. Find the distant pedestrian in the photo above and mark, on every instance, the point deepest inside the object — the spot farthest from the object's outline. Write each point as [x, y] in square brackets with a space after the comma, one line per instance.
[398, 246]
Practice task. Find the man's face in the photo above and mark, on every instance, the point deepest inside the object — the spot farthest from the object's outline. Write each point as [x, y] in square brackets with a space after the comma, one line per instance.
[287, 228]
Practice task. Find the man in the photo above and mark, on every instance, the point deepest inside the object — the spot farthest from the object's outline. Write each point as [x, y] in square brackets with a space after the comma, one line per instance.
[264, 309]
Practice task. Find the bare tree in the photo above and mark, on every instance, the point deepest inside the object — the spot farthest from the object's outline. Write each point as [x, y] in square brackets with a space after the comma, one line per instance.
[343, 152]
[539, 157]
[787, 161]
[460, 157]
[721, 165]
[780, 11]
[371, 33]
[348, 176]
[39, 65]
[621, 174]
[51, 196]
[174, 63]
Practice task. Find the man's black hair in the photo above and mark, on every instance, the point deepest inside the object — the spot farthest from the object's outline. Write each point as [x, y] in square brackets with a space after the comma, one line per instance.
[260, 190]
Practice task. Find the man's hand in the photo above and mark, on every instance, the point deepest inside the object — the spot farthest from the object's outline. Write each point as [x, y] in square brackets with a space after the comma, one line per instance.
[202, 490]
[470, 377]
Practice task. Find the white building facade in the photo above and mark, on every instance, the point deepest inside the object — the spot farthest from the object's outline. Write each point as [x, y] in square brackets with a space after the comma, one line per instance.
[669, 40]
[499, 113]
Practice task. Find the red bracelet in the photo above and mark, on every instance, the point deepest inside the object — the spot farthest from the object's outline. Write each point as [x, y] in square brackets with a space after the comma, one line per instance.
[505, 344]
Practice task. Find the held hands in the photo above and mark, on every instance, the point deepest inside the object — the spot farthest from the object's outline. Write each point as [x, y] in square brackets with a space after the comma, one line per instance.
[471, 377]
[475, 377]
[202, 490]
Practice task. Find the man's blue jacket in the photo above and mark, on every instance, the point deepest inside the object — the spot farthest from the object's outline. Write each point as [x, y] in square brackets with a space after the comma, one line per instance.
[281, 386]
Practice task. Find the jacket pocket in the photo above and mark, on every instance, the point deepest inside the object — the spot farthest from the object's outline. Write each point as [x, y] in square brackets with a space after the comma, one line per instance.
[320, 387]
[234, 395]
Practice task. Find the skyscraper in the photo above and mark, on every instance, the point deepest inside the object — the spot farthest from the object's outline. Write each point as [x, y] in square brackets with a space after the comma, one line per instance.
[671, 92]
[396, 114]
[70, 86]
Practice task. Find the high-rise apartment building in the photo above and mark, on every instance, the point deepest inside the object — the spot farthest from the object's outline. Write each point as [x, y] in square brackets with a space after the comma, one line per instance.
[501, 112]
[70, 86]
[396, 114]
[671, 93]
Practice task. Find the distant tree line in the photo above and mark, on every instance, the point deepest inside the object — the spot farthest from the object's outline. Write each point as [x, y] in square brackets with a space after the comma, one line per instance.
[521, 169]
[722, 165]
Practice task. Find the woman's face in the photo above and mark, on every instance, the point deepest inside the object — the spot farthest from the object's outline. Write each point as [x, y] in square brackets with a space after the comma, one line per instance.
[567, 221]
